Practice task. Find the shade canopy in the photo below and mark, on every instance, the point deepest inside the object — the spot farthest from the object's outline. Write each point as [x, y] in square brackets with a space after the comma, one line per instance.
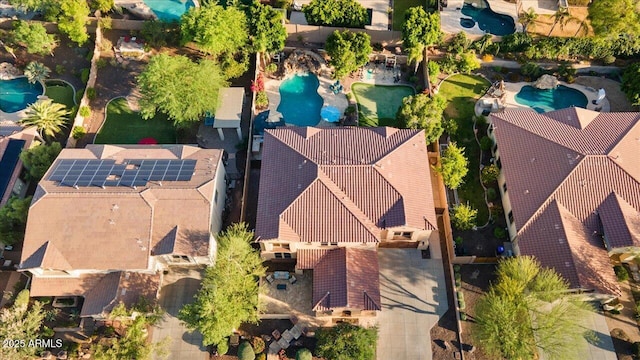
[330, 114]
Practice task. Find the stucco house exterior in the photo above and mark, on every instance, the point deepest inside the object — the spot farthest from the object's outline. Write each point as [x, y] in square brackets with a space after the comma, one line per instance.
[570, 186]
[329, 197]
[106, 219]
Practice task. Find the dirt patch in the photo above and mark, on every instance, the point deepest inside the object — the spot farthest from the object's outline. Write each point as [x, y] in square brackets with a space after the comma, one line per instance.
[574, 27]
[475, 282]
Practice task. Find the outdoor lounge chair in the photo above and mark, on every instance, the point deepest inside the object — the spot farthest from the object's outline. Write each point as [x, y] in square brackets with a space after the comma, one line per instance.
[292, 280]
[270, 278]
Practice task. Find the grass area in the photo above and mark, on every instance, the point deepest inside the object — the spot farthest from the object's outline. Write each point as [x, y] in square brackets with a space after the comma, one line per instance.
[124, 126]
[461, 92]
[378, 104]
[61, 93]
[399, 8]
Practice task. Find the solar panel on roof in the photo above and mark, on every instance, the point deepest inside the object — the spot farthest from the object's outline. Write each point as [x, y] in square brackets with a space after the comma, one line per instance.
[134, 172]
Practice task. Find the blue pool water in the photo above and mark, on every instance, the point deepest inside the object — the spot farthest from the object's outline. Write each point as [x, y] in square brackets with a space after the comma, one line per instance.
[169, 10]
[300, 102]
[488, 20]
[552, 99]
[16, 94]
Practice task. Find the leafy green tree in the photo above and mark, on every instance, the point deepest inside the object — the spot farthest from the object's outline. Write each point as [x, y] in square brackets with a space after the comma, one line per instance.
[527, 19]
[337, 13]
[36, 71]
[348, 51]
[419, 31]
[268, 33]
[73, 20]
[423, 112]
[454, 166]
[464, 216]
[245, 351]
[467, 62]
[132, 345]
[103, 5]
[347, 342]
[528, 310]
[631, 83]
[304, 354]
[214, 29]
[13, 219]
[228, 296]
[21, 323]
[34, 37]
[38, 159]
[159, 33]
[180, 88]
[614, 17]
[49, 117]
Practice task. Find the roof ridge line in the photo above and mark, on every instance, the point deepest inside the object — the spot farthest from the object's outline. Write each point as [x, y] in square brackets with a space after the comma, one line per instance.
[403, 143]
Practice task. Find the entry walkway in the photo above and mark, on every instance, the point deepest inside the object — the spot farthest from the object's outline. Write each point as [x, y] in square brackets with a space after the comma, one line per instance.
[413, 300]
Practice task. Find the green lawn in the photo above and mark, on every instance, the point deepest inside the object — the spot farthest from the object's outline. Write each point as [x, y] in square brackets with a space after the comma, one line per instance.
[378, 104]
[124, 126]
[400, 6]
[461, 92]
[60, 92]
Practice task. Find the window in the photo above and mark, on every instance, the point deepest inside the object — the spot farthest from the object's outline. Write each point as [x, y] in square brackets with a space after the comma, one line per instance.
[510, 217]
[402, 235]
[334, 244]
[180, 258]
[504, 188]
[495, 148]
[284, 246]
[278, 255]
[324, 244]
[287, 255]
[499, 164]
[215, 197]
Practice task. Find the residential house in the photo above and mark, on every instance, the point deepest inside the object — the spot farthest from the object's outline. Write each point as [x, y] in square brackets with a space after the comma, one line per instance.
[329, 197]
[570, 186]
[105, 220]
[11, 145]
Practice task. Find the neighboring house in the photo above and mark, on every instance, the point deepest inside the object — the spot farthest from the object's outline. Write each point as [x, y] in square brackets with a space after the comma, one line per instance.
[330, 196]
[106, 219]
[570, 185]
[10, 164]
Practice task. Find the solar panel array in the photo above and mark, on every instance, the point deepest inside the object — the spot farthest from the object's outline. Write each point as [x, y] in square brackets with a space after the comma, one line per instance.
[69, 172]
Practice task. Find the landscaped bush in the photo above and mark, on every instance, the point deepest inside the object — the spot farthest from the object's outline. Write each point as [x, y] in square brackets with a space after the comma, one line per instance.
[271, 68]
[621, 273]
[336, 13]
[464, 217]
[304, 354]
[462, 305]
[78, 131]
[463, 316]
[60, 69]
[91, 93]
[489, 174]
[223, 347]
[491, 194]
[85, 111]
[84, 75]
[434, 71]
[486, 143]
[448, 64]
[481, 46]
[245, 352]
[459, 43]
[262, 101]
[499, 233]
[258, 344]
[532, 70]
[261, 356]
[460, 295]
[496, 211]
[377, 47]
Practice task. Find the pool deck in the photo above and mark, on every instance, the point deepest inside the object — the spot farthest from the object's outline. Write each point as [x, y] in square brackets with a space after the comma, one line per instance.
[511, 89]
[450, 17]
[272, 87]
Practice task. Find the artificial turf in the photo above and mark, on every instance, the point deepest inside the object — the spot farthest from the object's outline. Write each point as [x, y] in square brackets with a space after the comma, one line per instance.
[461, 92]
[378, 104]
[60, 93]
[124, 126]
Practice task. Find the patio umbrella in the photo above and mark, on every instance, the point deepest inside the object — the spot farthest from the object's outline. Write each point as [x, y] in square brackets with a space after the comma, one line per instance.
[330, 114]
[148, 141]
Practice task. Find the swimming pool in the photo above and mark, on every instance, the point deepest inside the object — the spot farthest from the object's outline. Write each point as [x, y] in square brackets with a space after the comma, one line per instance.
[550, 99]
[17, 94]
[488, 20]
[169, 10]
[300, 102]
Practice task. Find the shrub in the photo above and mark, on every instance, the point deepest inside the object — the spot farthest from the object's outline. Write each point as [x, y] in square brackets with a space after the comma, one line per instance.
[337, 13]
[635, 348]
[489, 174]
[261, 356]
[84, 75]
[60, 69]
[413, 79]
[460, 295]
[532, 70]
[462, 305]
[101, 63]
[223, 347]
[245, 352]
[262, 101]
[608, 60]
[486, 143]
[459, 43]
[450, 126]
[85, 111]
[496, 211]
[492, 194]
[78, 131]
[481, 120]
[258, 344]
[448, 64]
[91, 93]
[487, 58]
[459, 240]
[47, 332]
[271, 68]
[304, 354]
[434, 71]
[499, 233]
[456, 268]
[463, 316]
[464, 217]
[468, 62]
[621, 272]
[377, 46]
[79, 94]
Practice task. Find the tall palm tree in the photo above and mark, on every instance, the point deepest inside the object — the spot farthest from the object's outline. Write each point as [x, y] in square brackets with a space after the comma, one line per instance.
[36, 71]
[527, 19]
[562, 17]
[47, 116]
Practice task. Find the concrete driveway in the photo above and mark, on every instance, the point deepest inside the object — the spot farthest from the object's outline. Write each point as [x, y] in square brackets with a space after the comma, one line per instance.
[413, 299]
[178, 288]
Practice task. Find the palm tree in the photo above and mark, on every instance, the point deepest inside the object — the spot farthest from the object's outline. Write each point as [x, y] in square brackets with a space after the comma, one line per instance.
[527, 19]
[36, 71]
[562, 17]
[582, 28]
[47, 116]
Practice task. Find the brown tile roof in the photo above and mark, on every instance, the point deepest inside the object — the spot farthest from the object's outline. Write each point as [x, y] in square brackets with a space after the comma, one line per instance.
[118, 227]
[308, 258]
[620, 222]
[347, 277]
[578, 159]
[101, 292]
[365, 179]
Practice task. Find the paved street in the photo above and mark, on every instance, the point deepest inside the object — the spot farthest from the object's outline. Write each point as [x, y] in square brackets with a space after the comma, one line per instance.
[178, 288]
[413, 299]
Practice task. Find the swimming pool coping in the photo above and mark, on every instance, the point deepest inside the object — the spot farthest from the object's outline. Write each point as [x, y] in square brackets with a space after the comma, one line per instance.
[13, 117]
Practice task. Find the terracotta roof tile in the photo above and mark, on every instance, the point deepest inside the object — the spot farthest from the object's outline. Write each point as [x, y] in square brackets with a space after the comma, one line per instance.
[620, 222]
[364, 179]
[347, 277]
[308, 258]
